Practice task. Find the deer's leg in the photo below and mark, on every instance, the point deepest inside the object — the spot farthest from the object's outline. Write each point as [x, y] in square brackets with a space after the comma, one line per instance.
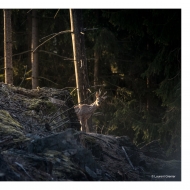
[86, 125]
[83, 125]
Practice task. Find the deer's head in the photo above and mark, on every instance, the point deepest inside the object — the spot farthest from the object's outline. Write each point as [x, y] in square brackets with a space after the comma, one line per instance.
[99, 98]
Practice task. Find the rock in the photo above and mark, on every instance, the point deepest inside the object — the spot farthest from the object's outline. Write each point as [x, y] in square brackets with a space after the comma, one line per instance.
[153, 149]
[59, 141]
[91, 173]
[11, 132]
[6, 173]
[40, 141]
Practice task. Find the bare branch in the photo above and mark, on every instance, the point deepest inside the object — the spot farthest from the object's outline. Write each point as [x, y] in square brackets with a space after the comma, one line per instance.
[24, 75]
[174, 76]
[47, 36]
[22, 53]
[51, 53]
[73, 91]
[29, 10]
[96, 86]
[62, 32]
[19, 53]
[48, 80]
[21, 166]
[56, 13]
[128, 157]
[65, 58]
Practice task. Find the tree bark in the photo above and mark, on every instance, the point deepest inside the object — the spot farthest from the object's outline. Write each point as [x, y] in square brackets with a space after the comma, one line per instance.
[79, 55]
[147, 98]
[8, 47]
[29, 38]
[34, 55]
[80, 63]
[96, 69]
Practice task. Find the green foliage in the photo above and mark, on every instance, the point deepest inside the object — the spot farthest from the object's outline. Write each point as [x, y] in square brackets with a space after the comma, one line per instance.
[149, 44]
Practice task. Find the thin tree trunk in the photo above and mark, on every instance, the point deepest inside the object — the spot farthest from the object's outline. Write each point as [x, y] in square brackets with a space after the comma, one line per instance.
[79, 55]
[29, 38]
[34, 55]
[96, 69]
[8, 47]
[96, 59]
[80, 62]
[147, 98]
[148, 88]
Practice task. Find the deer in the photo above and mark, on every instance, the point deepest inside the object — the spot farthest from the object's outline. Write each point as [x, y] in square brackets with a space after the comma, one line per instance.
[85, 111]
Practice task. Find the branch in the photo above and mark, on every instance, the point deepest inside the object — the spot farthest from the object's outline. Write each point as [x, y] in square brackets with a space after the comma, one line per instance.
[20, 165]
[48, 80]
[56, 13]
[47, 36]
[97, 86]
[54, 116]
[62, 32]
[128, 157]
[61, 125]
[64, 58]
[24, 75]
[19, 53]
[174, 76]
[30, 78]
[29, 10]
[51, 53]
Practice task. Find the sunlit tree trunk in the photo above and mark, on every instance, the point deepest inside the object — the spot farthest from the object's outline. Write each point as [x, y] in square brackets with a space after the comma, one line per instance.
[8, 47]
[79, 54]
[34, 55]
[79, 57]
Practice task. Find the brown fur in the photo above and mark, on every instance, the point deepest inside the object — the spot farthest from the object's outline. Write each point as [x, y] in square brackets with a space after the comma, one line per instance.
[85, 111]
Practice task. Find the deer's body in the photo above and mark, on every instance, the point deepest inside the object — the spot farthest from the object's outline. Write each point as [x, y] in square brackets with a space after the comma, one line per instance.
[85, 111]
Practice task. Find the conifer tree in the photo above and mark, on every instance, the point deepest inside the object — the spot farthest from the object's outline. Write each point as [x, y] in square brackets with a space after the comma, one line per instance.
[34, 53]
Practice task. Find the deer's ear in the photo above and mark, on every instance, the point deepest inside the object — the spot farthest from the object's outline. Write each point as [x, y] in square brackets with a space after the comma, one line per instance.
[97, 94]
[104, 97]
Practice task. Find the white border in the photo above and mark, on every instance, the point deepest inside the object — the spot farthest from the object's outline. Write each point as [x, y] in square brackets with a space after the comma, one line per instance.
[184, 5]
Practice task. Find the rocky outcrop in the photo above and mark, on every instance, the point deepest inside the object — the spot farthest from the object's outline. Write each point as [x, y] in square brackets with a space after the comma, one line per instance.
[40, 141]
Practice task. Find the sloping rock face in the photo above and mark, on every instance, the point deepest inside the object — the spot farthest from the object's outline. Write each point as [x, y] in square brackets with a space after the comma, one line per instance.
[40, 141]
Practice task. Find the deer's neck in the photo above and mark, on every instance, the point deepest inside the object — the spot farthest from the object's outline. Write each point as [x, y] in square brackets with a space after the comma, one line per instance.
[93, 107]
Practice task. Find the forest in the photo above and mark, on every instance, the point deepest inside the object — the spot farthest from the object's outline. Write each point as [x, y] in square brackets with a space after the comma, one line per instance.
[133, 54]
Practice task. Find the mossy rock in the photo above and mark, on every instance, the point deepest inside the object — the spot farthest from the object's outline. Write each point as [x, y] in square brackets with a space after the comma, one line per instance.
[37, 104]
[89, 140]
[63, 167]
[10, 127]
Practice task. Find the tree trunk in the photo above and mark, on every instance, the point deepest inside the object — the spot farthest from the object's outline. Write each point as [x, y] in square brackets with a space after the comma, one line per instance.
[79, 55]
[8, 47]
[148, 87]
[80, 63]
[34, 55]
[29, 38]
[147, 98]
[96, 69]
